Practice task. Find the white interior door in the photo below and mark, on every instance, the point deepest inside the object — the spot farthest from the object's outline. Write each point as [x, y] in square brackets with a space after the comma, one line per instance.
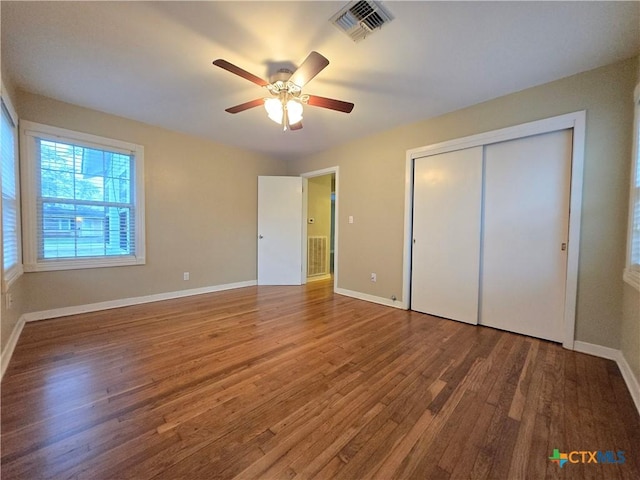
[279, 231]
[525, 234]
[446, 234]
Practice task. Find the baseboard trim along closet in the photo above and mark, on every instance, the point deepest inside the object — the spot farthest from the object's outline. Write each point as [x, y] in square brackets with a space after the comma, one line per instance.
[370, 298]
[616, 355]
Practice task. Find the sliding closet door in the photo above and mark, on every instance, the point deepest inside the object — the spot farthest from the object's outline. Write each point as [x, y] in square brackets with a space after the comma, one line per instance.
[446, 234]
[525, 234]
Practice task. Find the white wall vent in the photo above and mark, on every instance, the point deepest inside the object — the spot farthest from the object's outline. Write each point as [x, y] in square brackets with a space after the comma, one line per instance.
[361, 17]
[317, 256]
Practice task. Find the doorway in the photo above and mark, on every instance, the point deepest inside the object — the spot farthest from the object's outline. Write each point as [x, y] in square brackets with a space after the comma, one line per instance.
[320, 207]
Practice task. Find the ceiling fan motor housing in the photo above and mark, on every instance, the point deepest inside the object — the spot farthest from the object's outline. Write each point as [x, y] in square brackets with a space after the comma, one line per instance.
[282, 75]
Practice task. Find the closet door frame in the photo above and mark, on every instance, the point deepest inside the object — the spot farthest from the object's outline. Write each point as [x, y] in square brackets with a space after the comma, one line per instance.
[575, 121]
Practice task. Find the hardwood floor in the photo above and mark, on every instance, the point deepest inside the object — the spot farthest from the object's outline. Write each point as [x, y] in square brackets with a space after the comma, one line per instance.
[295, 382]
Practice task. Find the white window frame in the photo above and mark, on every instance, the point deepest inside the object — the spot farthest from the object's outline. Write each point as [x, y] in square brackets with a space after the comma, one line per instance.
[12, 274]
[29, 131]
[631, 273]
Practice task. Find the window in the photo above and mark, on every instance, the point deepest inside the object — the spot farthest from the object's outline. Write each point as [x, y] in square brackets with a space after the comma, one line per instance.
[632, 272]
[83, 200]
[11, 252]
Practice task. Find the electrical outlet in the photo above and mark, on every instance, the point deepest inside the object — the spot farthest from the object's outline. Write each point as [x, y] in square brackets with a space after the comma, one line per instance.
[185, 275]
[374, 277]
[9, 300]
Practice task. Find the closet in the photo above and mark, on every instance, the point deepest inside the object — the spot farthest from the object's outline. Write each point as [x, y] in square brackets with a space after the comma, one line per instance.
[490, 233]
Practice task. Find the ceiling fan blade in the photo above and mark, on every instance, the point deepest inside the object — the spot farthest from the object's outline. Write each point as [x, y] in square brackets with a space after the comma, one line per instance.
[245, 106]
[230, 67]
[311, 66]
[296, 126]
[330, 103]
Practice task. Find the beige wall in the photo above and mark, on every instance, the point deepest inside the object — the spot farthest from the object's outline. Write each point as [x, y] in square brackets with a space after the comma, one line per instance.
[372, 175]
[319, 208]
[201, 200]
[12, 91]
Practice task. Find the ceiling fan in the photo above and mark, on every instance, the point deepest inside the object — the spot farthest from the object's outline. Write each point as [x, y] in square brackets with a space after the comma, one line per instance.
[286, 101]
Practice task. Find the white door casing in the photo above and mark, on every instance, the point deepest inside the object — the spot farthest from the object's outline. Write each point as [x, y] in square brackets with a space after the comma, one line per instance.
[279, 230]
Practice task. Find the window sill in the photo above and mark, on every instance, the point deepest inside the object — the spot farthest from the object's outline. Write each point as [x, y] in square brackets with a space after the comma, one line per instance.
[53, 265]
[11, 276]
[632, 277]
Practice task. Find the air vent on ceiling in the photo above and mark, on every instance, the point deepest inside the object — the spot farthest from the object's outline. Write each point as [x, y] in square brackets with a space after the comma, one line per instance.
[361, 17]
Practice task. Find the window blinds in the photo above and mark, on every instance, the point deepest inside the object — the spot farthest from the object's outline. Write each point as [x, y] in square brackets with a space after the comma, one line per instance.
[85, 204]
[10, 199]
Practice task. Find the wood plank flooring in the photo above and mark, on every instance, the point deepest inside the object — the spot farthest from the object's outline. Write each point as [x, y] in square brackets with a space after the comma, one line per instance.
[296, 382]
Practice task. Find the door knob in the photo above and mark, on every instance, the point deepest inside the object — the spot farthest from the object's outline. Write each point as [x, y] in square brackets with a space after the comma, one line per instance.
[260, 237]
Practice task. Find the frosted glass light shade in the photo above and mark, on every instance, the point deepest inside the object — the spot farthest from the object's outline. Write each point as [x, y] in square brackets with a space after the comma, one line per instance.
[273, 106]
[275, 110]
[294, 111]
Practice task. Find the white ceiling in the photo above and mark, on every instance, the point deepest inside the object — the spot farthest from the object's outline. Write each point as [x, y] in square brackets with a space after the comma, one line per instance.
[151, 61]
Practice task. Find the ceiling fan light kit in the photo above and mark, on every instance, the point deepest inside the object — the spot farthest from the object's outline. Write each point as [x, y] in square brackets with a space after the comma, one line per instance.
[285, 105]
[277, 109]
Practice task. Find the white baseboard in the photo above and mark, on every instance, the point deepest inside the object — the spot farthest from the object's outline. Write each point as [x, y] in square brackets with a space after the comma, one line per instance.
[11, 345]
[125, 302]
[596, 350]
[370, 298]
[616, 355]
[630, 379]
